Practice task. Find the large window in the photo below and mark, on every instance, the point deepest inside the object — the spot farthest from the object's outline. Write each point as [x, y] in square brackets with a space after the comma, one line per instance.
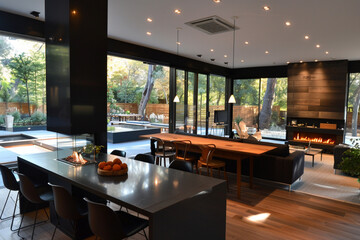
[22, 82]
[138, 95]
[352, 122]
[216, 103]
[201, 108]
[262, 103]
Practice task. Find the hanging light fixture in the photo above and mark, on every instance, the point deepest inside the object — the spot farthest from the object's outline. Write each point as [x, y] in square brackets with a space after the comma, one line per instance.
[176, 98]
[232, 98]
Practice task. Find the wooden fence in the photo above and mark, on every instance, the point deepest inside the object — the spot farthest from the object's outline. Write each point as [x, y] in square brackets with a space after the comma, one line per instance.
[21, 107]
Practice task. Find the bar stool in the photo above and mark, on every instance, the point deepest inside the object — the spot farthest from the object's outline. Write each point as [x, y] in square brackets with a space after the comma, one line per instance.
[119, 153]
[35, 196]
[12, 184]
[109, 225]
[67, 208]
[145, 158]
[163, 151]
[207, 160]
[181, 165]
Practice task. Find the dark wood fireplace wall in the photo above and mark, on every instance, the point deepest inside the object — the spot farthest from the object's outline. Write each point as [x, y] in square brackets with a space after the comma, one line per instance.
[317, 90]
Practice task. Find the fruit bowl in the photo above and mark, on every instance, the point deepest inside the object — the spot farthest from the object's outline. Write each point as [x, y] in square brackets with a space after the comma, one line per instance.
[112, 168]
[112, 173]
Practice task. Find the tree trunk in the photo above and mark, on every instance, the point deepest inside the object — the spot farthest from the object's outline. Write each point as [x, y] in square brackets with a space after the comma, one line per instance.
[147, 91]
[265, 113]
[354, 119]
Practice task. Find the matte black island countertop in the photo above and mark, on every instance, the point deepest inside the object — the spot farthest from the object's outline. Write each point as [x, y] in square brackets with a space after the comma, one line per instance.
[149, 189]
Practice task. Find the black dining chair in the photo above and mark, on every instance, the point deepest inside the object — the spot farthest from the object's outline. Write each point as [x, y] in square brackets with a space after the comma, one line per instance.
[36, 196]
[12, 184]
[119, 153]
[110, 225]
[181, 165]
[145, 158]
[66, 207]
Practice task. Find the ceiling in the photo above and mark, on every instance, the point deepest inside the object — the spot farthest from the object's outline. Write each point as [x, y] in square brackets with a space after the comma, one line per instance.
[333, 24]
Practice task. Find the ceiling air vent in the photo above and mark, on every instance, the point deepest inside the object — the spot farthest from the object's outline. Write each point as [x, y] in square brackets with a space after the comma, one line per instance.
[212, 25]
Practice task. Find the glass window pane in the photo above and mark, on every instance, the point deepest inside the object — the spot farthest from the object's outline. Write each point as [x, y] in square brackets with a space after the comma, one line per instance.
[216, 103]
[352, 118]
[190, 122]
[22, 82]
[138, 93]
[180, 87]
[201, 112]
[273, 107]
[246, 108]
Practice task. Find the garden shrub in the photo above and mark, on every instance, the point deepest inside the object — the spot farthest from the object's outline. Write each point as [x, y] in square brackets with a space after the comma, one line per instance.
[17, 116]
[38, 117]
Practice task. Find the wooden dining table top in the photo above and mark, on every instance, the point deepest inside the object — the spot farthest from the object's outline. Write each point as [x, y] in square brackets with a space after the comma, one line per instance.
[231, 146]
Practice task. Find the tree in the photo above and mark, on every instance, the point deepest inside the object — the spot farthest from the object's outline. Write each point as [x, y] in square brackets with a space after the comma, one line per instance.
[22, 68]
[154, 72]
[5, 93]
[265, 113]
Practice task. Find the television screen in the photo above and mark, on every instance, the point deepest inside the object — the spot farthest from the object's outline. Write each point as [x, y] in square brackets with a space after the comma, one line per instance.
[220, 116]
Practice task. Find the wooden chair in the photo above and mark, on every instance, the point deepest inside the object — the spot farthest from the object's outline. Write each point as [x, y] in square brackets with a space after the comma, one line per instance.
[163, 151]
[207, 160]
[181, 152]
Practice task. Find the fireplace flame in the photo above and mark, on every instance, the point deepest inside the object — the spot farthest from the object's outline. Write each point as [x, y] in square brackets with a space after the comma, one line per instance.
[315, 140]
[76, 158]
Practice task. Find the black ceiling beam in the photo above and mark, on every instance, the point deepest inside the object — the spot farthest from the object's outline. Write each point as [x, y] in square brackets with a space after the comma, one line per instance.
[16, 24]
[259, 72]
[129, 50]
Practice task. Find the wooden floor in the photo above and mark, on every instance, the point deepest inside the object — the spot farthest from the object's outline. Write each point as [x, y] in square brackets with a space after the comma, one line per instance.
[290, 215]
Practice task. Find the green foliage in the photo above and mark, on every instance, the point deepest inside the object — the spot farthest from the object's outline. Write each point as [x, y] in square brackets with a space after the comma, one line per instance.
[351, 160]
[246, 92]
[38, 117]
[91, 148]
[5, 91]
[17, 116]
[238, 119]
[2, 119]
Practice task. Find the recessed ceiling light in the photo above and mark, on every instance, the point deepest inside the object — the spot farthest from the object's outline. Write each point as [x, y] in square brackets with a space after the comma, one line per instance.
[246, 42]
[226, 63]
[301, 61]
[316, 60]
[211, 50]
[217, 1]
[178, 43]
[74, 12]
[242, 61]
[318, 45]
[307, 37]
[177, 11]
[266, 8]
[199, 55]
[148, 33]
[287, 23]
[287, 62]
[225, 56]
[326, 52]
[267, 52]
[149, 19]
[212, 59]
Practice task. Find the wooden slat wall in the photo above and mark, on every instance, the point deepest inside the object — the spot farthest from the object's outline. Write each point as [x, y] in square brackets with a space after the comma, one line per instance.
[317, 90]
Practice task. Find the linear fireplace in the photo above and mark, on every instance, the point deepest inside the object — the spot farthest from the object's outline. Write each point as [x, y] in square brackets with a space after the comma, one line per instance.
[321, 133]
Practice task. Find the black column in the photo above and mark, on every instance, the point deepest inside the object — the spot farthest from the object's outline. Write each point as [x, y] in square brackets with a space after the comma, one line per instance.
[76, 61]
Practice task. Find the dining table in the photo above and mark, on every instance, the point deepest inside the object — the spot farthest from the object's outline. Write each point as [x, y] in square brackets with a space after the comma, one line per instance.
[178, 204]
[225, 149]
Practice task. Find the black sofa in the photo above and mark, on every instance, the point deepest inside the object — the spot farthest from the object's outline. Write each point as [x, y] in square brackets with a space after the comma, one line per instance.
[276, 165]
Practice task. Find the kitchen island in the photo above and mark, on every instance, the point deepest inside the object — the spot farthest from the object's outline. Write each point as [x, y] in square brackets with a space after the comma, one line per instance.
[179, 205]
